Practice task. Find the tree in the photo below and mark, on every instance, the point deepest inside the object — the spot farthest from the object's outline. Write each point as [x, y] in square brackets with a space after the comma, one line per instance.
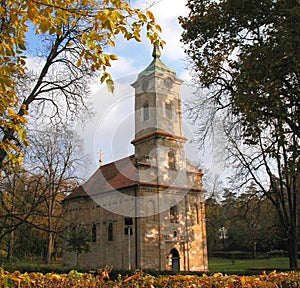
[30, 199]
[55, 158]
[71, 40]
[19, 200]
[248, 229]
[216, 220]
[78, 241]
[246, 55]
[238, 223]
[12, 205]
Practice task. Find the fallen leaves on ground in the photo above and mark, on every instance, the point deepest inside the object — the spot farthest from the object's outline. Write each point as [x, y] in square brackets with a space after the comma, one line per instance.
[141, 279]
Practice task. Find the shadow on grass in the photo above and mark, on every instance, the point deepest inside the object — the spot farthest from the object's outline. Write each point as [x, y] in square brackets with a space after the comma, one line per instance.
[216, 265]
[248, 266]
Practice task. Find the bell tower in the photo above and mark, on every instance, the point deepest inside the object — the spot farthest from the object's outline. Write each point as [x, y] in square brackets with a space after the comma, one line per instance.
[159, 139]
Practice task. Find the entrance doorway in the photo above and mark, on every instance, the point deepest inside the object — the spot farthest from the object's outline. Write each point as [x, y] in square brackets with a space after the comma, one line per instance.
[175, 259]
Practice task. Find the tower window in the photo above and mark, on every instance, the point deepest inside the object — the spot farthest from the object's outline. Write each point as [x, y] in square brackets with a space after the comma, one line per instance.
[128, 231]
[171, 160]
[195, 215]
[173, 214]
[169, 110]
[146, 111]
[128, 221]
[110, 232]
[94, 233]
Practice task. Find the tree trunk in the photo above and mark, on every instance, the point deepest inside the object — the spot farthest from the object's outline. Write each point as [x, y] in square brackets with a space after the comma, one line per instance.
[49, 247]
[254, 250]
[11, 246]
[293, 249]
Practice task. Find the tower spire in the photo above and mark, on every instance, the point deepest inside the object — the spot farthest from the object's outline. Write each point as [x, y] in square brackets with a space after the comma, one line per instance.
[156, 52]
[156, 65]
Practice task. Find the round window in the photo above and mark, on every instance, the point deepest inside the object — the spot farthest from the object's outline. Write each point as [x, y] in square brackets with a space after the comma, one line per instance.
[168, 82]
[145, 85]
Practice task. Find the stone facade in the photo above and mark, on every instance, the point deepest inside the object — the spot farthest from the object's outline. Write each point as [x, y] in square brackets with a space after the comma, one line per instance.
[147, 210]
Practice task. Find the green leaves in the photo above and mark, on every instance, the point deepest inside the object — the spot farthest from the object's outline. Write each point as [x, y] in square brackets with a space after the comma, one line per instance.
[249, 49]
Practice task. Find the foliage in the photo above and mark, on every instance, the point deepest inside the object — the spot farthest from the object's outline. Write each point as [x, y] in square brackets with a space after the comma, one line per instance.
[242, 218]
[141, 279]
[31, 211]
[78, 241]
[55, 158]
[19, 199]
[44, 268]
[250, 50]
[216, 219]
[246, 55]
[71, 37]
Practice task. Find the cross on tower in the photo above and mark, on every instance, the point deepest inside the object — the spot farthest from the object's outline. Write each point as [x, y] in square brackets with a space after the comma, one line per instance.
[100, 157]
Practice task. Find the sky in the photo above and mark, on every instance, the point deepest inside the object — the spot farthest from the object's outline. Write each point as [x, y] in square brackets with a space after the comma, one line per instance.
[112, 128]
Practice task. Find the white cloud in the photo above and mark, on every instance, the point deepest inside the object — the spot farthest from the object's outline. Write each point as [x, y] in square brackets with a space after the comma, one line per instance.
[124, 66]
[120, 68]
[106, 131]
[186, 76]
[167, 13]
[35, 63]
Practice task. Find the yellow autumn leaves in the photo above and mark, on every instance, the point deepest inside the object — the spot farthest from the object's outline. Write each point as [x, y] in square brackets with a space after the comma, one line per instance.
[104, 19]
[141, 279]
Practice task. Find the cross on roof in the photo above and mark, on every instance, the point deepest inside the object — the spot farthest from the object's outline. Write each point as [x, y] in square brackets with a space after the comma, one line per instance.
[100, 157]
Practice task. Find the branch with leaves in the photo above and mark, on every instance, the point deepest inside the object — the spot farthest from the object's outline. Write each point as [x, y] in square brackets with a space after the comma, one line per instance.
[74, 36]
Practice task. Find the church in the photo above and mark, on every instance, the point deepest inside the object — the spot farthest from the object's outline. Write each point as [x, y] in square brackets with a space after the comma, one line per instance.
[146, 210]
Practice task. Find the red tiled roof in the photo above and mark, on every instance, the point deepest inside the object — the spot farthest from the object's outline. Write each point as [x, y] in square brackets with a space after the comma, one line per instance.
[76, 193]
[112, 176]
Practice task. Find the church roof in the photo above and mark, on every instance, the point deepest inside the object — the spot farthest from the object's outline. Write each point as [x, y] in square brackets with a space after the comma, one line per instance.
[116, 176]
[112, 176]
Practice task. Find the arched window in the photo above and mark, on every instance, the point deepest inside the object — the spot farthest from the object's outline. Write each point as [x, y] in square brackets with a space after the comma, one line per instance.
[94, 233]
[110, 232]
[169, 110]
[195, 215]
[173, 214]
[171, 160]
[146, 111]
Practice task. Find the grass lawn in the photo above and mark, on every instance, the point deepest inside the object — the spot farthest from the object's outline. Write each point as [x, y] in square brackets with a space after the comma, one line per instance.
[240, 266]
[244, 265]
